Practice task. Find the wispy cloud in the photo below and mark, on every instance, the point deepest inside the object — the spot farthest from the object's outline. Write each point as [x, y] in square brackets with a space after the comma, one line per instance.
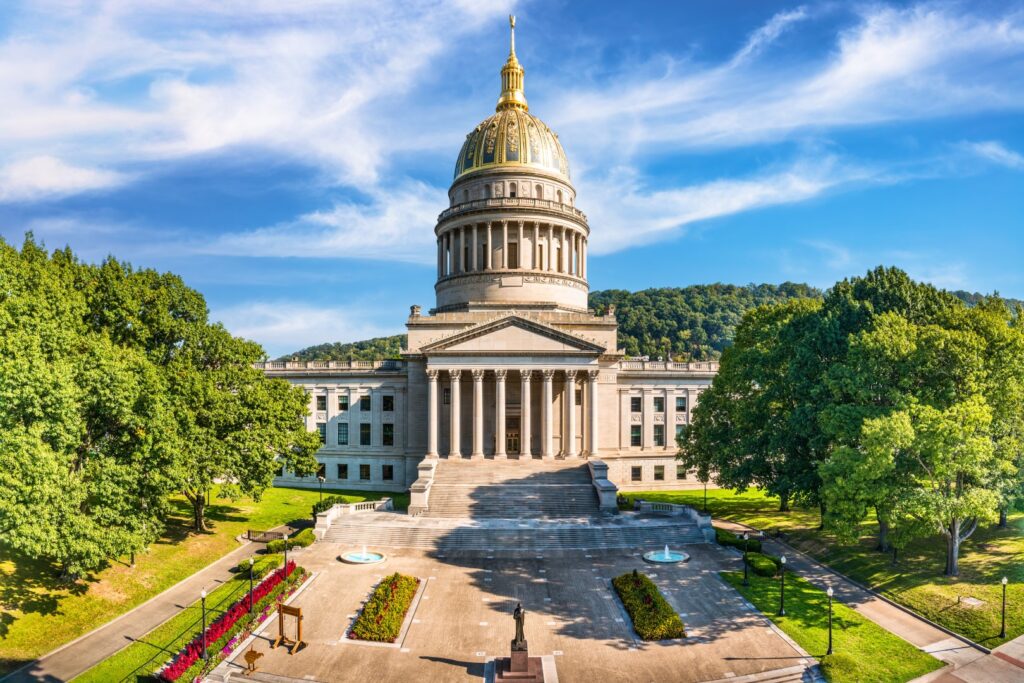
[995, 152]
[43, 177]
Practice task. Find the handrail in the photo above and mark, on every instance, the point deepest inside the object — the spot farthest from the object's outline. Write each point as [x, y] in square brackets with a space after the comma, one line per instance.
[520, 202]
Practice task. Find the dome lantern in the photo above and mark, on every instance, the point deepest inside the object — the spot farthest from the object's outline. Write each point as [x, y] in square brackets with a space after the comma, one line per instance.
[512, 75]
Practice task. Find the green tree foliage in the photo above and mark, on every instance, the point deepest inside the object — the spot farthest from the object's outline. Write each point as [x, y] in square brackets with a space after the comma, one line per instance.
[108, 379]
[377, 348]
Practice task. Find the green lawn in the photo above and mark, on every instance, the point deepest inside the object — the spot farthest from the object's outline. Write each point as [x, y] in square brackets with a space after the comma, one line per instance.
[863, 651]
[40, 612]
[916, 581]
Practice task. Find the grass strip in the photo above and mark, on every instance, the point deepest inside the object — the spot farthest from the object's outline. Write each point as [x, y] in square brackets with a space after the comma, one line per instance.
[863, 652]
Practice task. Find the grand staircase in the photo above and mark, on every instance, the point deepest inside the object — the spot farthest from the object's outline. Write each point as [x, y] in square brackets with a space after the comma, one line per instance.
[512, 489]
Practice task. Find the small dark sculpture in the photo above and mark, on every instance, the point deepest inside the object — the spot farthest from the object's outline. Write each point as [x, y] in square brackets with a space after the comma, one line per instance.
[520, 616]
[252, 656]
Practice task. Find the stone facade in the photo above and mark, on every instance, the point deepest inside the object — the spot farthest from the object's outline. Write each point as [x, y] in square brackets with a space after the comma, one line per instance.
[509, 363]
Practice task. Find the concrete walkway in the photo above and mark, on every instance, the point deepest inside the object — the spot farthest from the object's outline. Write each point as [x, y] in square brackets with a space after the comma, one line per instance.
[81, 654]
[911, 628]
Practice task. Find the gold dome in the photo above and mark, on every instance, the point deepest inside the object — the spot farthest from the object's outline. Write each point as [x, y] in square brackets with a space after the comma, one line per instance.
[512, 137]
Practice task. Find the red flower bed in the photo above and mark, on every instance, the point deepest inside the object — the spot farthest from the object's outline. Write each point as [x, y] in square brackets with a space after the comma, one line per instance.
[191, 653]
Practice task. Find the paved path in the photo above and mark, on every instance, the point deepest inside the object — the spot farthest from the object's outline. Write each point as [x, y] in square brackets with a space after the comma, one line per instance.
[75, 657]
[911, 628]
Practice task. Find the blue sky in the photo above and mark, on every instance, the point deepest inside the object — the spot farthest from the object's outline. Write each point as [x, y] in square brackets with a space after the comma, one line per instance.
[289, 159]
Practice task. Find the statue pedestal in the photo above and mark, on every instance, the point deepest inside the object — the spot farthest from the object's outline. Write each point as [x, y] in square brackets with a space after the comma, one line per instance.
[520, 667]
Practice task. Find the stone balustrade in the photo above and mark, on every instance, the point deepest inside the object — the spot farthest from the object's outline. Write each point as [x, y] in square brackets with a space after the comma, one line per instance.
[512, 202]
[654, 365]
[384, 365]
[325, 519]
[419, 492]
[702, 521]
[607, 492]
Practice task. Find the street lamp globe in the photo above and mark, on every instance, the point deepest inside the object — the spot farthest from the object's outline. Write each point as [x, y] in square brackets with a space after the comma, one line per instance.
[782, 559]
[202, 594]
[830, 592]
[1004, 580]
[252, 561]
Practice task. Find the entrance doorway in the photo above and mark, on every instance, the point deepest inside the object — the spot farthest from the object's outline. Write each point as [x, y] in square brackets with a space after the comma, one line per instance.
[512, 435]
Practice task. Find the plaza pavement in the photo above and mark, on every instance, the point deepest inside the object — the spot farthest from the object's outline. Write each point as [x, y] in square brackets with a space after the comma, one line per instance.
[464, 618]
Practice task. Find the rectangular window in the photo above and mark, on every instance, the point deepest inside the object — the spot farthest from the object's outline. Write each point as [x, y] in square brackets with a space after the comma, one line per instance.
[659, 473]
[322, 428]
[364, 472]
[636, 473]
[364, 434]
[680, 471]
[387, 434]
[343, 402]
[364, 403]
[322, 471]
[388, 404]
[513, 254]
[446, 397]
[680, 404]
[634, 435]
[636, 404]
[680, 431]
[342, 471]
[321, 402]
[659, 404]
[343, 433]
[280, 472]
[387, 472]
[659, 435]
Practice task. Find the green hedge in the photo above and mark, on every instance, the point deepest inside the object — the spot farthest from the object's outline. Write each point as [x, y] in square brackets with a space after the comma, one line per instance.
[382, 617]
[303, 539]
[327, 503]
[653, 618]
[763, 565]
[263, 566]
[728, 538]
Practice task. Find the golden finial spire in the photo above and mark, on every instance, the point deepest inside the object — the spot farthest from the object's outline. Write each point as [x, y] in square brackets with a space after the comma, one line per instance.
[512, 95]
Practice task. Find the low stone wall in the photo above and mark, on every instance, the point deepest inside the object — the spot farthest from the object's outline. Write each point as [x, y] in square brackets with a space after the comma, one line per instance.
[607, 492]
[419, 492]
[702, 521]
[325, 519]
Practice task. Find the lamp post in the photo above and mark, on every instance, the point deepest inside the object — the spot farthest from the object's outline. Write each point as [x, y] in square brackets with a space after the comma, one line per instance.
[1002, 631]
[746, 549]
[321, 478]
[202, 598]
[829, 592]
[782, 591]
[252, 561]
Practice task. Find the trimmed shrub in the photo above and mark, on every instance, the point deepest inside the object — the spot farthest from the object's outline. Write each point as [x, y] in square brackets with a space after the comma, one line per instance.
[763, 565]
[382, 617]
[303, 539]
[653, 618]
[263, 566]
[728, 538]
[327, 503]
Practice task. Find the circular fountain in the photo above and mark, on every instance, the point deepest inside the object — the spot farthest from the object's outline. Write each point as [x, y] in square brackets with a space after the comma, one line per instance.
[364, 557]
[666, 556]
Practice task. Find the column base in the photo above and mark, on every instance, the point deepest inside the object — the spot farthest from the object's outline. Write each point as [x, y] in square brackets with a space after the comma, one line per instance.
[476, 456]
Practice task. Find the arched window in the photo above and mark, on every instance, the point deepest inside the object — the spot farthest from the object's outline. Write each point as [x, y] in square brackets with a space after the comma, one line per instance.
[538, 191]
[559, 195]
[512, 190]
[487, 191]
[465, 196]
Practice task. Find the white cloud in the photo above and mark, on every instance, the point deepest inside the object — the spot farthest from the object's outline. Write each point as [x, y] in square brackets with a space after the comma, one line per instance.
[996, 152]
[285, 326]
[41, 177]
[768, 34]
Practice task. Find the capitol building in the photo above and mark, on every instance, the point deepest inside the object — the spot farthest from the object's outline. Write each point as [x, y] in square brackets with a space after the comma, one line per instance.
[509, 364]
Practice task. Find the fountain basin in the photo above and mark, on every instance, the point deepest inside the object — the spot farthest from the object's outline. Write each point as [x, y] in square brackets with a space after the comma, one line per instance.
[364, 557]
[663, 557]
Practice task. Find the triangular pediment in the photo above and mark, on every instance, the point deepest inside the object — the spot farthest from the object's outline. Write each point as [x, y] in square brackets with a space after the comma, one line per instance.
[513, 334]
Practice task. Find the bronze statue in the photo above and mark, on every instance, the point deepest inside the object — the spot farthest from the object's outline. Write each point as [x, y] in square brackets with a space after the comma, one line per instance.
[520, 616]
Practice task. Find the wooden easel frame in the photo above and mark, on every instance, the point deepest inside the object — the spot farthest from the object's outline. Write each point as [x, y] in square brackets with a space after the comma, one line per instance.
[293, 645]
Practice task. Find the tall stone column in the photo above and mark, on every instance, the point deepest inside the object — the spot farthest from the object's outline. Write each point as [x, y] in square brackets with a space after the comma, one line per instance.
[476, 248]
[432, 413]
[535, 248]
[478, 414]
[456, 446]
[569, 450]
[462, 249]
[488, 255]
[440, 256]
[499, 413]
[551, 247]
[565, 250]
[525, 428]
[593, 425]
[546, 427]
[520, 244]
[504, 245]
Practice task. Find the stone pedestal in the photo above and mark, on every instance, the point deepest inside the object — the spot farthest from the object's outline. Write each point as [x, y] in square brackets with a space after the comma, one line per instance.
[520, 667]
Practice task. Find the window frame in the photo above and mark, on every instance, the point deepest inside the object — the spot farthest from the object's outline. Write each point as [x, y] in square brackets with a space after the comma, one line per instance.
[659, 435]
[387, 472]
[636, 404]
[387, 436]
[636, 436]
[342, 402]
[636, 473]
[365, 434]
[321, 403]
[343, 441]
[343, 471]
[365, 403]
[659, 473]
[364, 472]
[321, 428]
[659, 404]
[387, 403]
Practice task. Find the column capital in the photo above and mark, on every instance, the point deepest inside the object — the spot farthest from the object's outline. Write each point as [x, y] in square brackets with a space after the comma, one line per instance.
[500, 373]
[478, 375]
[592, 374]
[432, 374]
[526, 375]
[570, 374]
[548, 375]
[455, 374]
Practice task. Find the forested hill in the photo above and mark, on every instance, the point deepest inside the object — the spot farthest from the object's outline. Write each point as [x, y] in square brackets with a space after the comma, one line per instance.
[684, 323]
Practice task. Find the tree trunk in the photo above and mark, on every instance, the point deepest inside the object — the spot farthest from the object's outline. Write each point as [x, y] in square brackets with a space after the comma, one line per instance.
[784, 502]
[953, 548]
[1002, 518]
[198, 510]
[821, 515]
[894, 556]
[883, 534]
